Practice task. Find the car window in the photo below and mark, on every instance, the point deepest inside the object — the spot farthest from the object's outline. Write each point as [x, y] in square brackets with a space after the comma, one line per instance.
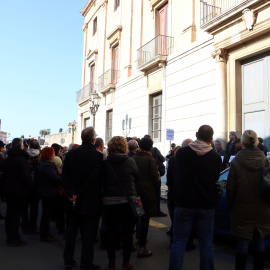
[223, 178]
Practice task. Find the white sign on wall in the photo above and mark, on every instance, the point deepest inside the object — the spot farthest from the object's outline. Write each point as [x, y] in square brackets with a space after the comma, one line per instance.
[169, 134]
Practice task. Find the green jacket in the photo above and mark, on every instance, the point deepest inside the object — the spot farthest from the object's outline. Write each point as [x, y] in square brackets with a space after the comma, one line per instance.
[148, 178]
[243, 194]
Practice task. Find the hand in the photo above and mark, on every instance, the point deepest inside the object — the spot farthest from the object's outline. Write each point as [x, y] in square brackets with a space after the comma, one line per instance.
[73, 198]
[159, 178]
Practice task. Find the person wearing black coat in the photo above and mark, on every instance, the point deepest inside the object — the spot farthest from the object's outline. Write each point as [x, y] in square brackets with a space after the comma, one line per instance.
[120, 177]
[49, 181]
[82, 181]
[18, 185]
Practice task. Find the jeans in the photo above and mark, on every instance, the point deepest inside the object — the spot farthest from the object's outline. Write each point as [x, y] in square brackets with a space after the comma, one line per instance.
[183, 222]
[243, 243]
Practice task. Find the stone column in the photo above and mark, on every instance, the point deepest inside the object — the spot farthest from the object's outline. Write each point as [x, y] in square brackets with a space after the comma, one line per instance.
[221, 129]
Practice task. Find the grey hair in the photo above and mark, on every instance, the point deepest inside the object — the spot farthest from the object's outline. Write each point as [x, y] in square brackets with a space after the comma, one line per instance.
[218, 142]
[88, 134]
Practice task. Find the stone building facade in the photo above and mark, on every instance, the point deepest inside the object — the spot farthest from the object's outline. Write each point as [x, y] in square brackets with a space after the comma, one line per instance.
[171, 64]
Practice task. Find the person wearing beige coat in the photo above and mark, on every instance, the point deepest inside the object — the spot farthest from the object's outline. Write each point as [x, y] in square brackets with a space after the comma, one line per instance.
[250, 214]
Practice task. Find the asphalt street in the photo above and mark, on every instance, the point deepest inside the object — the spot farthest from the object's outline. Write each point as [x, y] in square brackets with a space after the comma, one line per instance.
[48, 256]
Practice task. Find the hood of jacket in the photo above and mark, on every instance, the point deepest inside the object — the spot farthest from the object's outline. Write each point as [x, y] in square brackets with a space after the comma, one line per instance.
[17, 152]
[117, 158]
[33, 152]
[252, 159]
[200, 147]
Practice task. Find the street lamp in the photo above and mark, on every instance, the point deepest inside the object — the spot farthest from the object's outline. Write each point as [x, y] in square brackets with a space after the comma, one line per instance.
[94, 103]
[73, 128]
[126, 122]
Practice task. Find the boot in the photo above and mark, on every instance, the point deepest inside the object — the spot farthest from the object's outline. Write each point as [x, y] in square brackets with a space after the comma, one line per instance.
[111, 265]
[143, 252]
[259, 259]
[127, 266]
[240, 261]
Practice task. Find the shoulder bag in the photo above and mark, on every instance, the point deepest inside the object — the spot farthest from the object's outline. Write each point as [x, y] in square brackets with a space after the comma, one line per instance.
[136, 203]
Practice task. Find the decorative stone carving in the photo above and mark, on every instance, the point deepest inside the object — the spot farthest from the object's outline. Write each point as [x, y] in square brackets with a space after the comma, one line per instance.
[220, 55]
[85, 26]
[249, 17]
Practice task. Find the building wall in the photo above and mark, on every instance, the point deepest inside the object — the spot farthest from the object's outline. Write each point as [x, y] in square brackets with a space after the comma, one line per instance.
[196, 88]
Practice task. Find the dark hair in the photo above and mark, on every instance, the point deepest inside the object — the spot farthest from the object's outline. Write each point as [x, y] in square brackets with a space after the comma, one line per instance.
[98, 142]
[16, 143]
[56, 148]
[88, 134]
[205, 133]
[261, 146]
[237, 141]
[260, 139]
[146, 144]
[147, 136]
[34, 144]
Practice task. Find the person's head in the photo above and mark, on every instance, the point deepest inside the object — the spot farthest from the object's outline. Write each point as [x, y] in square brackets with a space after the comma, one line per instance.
[65, 149]
[249, 139]
[132, 146]
[237, 143]
[147, 136]
[99, 144]
[217, 144]
[47, 154]
[186, 142]
[177, 148]
[205, 133]
[17, 143]
[34, 144]
[146, 144]
[74, 146]
[70, 146]
[173, 145]
[118, 145]
[88, 135]
[135, 138]
[57, 149]
[260, 139]
[232, 136]
[2, 146]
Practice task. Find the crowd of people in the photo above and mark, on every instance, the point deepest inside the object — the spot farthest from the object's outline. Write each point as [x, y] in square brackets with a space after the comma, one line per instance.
[89, 188]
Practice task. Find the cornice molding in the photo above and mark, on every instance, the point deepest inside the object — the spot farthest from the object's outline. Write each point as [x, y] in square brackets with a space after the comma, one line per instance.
[89, 5]
[220, 55]
[117, 29]
[91, 53]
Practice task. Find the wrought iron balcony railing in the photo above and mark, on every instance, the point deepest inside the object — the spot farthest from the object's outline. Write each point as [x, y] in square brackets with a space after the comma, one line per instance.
[158, 46]
[211, 9]
[110, 77]
[85, 92]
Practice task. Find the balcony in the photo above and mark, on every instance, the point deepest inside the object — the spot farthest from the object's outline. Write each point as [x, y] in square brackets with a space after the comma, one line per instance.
[85, 92]
[108, 80]
[154, 52]
[217, 10]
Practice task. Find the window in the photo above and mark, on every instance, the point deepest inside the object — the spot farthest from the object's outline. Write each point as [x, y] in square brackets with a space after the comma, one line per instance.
[92, 79]
[94, 26]
[87, 122]
[156, 117]
[116, 4]
[109, 126]
[115, 60]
